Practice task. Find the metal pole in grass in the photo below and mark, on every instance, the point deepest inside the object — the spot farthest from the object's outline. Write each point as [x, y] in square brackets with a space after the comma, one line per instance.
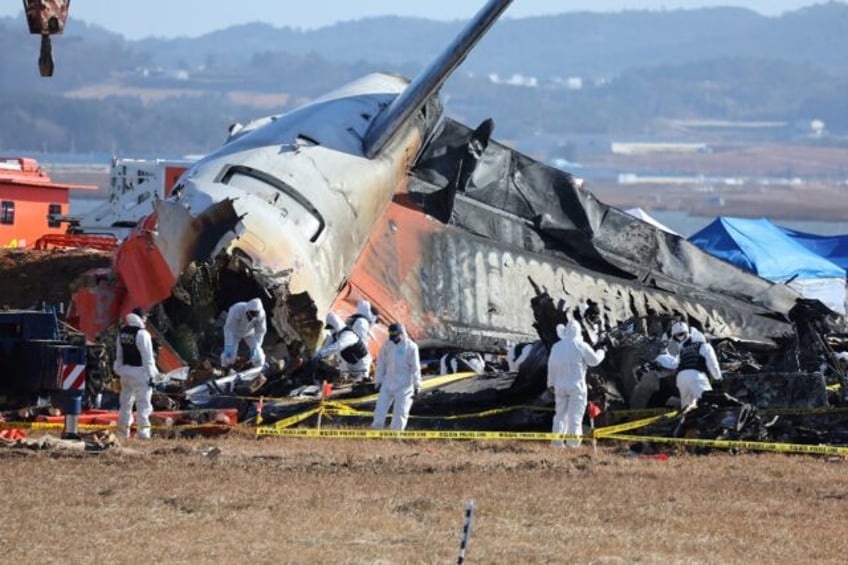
[594, 412]
[321, 403]
[466, 532]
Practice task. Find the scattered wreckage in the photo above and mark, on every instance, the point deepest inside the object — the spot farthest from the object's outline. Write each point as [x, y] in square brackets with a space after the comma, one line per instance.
[371, 192]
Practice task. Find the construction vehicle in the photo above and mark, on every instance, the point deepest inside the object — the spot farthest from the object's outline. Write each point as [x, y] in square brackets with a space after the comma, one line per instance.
[45, 361]
[30, 202]
[134, 184]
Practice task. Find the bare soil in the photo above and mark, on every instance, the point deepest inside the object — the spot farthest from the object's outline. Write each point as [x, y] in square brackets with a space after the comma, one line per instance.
[30, 277]
[819, 196]
[281, 500]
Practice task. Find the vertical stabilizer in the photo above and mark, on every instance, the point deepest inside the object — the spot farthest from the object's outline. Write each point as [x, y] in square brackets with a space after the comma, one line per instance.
[431, 79]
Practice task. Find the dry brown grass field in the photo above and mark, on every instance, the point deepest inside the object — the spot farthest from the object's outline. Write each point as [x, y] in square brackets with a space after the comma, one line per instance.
[278, 500]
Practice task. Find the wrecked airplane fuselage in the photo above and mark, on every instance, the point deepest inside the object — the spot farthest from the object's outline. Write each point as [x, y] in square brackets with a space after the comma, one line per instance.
[370, 192]
[300, 200]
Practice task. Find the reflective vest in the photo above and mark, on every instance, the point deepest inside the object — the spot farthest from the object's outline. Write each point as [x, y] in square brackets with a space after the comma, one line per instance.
[132, 356]
[691, 358]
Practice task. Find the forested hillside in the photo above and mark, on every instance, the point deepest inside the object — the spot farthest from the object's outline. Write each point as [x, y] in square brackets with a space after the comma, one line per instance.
[625, 73]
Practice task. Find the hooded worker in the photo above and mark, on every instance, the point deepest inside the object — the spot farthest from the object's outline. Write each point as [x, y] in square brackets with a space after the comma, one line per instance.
[135, 364]
[695, 359]
[361, 323]
[344, 341]
[398, 377]
[245, 321]
[567, 363]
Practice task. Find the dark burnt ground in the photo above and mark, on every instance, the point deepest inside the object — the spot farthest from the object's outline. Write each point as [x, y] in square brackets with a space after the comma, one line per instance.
[30, 277]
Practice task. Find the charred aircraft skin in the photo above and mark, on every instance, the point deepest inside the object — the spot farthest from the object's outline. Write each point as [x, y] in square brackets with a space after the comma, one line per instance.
[370, 192]
[509, 220]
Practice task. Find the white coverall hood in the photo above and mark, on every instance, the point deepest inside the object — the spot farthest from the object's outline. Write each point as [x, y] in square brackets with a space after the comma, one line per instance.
[134, 320]
[333, 322]
[571, 331]
[255, 304]
[679, 328]
[363, 307]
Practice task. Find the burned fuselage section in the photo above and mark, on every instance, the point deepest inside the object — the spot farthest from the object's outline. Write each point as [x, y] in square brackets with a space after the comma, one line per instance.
[454, 255]
[370, 192]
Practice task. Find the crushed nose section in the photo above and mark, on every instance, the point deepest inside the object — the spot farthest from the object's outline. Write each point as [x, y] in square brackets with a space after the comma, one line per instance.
[184, 238]
[159, 249]
[205, 291]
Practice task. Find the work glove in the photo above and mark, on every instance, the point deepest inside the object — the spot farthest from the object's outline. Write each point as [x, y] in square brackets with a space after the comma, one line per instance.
[255, 356]
[228, 356]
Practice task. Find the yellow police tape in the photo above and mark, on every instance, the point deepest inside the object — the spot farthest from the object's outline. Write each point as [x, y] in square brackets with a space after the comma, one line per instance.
[358, 433]
[730, 444]
[609, 430]
[115, 427]
[425, 385]
[543, 436]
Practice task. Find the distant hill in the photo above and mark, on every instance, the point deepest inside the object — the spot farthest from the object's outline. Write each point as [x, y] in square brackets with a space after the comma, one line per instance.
[629, 73]
[593, 45]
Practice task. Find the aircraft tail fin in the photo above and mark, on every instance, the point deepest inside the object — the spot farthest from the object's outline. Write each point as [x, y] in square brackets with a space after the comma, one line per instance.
[431, 78]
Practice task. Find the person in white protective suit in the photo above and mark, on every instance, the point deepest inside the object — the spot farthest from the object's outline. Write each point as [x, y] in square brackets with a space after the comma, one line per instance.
[344, 341]
[135, 364]
[245, 321]
[398, 378]
[567, 363]
[361, 323]
[695, 359]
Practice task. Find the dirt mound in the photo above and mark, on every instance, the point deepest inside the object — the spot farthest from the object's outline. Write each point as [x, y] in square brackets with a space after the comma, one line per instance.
[30, 277]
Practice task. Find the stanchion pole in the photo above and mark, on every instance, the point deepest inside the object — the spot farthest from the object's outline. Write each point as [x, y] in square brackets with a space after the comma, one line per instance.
[321, 403]
[73, 408]
[594, 411]
[259, 407]
[466, 532]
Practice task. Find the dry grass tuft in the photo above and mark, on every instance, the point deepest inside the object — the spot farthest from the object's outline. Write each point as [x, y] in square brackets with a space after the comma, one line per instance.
[349, 501]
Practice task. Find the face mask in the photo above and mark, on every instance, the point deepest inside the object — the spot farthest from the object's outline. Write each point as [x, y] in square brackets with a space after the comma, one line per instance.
[395, 338]
[679, 337]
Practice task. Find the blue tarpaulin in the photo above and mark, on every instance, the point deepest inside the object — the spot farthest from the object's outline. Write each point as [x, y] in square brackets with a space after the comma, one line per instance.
[831, 247]
[759, 246]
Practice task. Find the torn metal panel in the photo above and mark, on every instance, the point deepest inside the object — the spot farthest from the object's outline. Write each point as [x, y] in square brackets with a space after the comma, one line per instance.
[538, 223]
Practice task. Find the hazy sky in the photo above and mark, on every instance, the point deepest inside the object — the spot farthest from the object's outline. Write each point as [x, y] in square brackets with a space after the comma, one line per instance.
[168, 18]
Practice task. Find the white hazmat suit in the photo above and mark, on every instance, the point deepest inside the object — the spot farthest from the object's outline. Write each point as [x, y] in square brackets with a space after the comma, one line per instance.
[398, 378]
[245, 321]
[360, 323]
[344, 342]
[567, 364]
[136, 366]
[694, 360]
